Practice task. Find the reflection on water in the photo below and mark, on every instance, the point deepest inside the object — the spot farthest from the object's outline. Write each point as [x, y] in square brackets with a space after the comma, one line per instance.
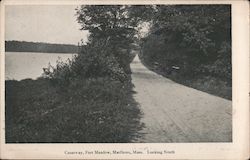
[22, 65]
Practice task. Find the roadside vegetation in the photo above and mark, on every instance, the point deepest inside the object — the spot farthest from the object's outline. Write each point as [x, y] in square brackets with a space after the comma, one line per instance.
[88, 99]
[192, 46]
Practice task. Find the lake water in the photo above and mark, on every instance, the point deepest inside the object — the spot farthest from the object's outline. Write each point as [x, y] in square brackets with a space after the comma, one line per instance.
[22, 65]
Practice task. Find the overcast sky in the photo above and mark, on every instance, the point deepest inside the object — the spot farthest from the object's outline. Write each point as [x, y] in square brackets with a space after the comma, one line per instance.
[43, 23]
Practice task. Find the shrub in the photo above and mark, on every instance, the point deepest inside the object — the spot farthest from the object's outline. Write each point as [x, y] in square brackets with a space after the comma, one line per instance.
[95, 60]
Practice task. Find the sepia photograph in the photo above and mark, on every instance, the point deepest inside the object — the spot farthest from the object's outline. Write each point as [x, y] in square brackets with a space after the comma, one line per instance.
[118, 73]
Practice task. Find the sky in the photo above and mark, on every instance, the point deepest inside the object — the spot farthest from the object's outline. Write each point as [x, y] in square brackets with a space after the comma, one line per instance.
[43, 23]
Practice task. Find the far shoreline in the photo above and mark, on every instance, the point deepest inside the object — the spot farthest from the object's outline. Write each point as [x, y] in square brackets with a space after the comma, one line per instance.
[40, 47]
[41, 52]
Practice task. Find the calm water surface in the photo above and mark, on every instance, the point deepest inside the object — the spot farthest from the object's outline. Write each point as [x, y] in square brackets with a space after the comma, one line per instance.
[22, 65]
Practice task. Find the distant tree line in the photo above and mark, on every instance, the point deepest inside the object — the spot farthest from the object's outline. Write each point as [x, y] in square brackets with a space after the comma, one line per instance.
[22, 46]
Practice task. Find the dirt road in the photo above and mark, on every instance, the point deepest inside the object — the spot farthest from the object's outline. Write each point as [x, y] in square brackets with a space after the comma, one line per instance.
[176, 113]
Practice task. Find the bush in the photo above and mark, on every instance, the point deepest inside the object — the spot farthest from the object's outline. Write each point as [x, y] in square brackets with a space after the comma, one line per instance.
[95, 60]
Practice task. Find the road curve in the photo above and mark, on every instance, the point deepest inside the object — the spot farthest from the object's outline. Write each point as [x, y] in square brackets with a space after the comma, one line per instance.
[176, 113]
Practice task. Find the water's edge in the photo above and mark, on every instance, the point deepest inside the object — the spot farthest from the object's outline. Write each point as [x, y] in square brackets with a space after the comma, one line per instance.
[23, 65]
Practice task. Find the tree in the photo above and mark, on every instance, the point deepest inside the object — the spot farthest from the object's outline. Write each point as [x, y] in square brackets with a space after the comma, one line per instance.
[115, 23]
[199, 29]
[195, 37]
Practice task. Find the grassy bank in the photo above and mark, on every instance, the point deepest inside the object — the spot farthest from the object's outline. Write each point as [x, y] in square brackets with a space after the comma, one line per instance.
[88, 111]
[173, 63]
[214, 85]
[206, 83]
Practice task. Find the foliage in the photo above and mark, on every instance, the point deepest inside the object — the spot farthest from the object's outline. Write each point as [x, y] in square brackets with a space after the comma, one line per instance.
[96, 60]
[90, 110]
[195, 38]
[107, 21]
[109, 50]
[197, 35]
[221, 67]
[115, 23]
[198, 28]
